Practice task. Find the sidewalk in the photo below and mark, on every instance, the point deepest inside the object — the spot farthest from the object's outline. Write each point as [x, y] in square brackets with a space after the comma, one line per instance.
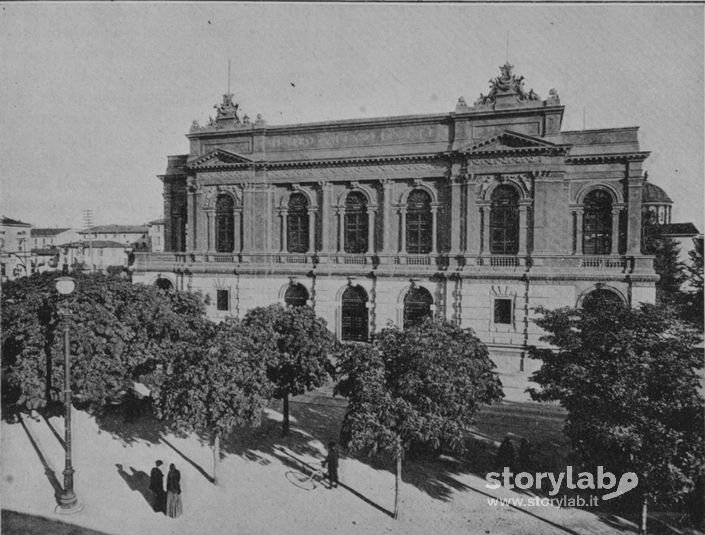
[254, 495]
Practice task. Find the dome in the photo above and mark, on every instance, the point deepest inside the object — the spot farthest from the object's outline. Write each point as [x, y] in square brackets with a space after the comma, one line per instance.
[652, 194]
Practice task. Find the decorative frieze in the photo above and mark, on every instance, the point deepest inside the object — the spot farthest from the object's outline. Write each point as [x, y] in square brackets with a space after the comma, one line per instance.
[360, 172]
[505, 160]
[372, 137]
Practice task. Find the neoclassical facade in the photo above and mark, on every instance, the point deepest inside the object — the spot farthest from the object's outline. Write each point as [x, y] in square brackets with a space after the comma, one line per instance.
[479, 215]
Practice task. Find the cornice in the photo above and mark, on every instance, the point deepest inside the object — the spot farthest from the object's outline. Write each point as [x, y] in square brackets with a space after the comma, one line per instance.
[321, 162]
[353, 160]
[608, 158]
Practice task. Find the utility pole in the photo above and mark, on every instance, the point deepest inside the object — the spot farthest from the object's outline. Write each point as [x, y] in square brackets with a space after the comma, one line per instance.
[87, 224]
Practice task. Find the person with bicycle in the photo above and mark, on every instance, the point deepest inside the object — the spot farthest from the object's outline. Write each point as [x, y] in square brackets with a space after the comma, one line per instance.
[332, 462]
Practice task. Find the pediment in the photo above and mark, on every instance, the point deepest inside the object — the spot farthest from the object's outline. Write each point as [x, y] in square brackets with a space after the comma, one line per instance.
[218, 158]
[507, 141]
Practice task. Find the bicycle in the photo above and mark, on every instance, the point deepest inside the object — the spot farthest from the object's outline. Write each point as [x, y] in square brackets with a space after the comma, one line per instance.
[310, 474]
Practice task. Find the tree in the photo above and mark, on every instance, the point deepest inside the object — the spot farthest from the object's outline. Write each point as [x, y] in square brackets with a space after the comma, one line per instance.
[117, 330]
[629, 381]
[299, 353]
[221, 385]
[420, 386]
[692, 293]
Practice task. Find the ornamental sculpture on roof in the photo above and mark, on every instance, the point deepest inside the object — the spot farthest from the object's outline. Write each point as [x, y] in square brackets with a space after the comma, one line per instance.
[227, 117]
[508, 87]
[228, 109]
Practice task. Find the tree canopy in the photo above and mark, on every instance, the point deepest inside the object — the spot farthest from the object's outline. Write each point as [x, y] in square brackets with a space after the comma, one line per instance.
[629, 379]
[299, 351]
[420, 386]
[220, 385]
[692, 299]
[117, 330]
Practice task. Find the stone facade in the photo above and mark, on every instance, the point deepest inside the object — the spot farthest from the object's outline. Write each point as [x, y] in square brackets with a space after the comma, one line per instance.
[479, 215]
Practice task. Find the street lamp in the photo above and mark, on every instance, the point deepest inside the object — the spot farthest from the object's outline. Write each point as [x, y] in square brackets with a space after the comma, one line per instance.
[68, 503]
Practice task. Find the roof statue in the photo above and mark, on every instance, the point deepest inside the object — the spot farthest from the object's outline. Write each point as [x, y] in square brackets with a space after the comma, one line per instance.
[228, 109]
[226, 117]
[507, 89]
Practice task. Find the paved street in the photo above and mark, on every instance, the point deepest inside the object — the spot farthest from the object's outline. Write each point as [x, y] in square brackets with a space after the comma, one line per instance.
[257, 490]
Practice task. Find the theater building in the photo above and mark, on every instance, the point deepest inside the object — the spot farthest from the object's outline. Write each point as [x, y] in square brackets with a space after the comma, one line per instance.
[478, 215]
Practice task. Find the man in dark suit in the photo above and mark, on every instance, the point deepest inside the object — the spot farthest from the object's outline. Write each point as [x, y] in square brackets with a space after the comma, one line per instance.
[156, 485]
[332, 462]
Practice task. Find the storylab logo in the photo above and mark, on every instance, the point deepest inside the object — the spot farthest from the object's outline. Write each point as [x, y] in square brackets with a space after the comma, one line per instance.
[542, 481]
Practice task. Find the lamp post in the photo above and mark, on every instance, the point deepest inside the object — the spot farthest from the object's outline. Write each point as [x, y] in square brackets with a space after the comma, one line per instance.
[68, 503]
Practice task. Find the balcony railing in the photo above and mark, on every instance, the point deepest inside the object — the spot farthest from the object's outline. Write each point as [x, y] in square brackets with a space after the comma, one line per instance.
[603, 262]
[500, 261]
[292, 259]
[397, 261]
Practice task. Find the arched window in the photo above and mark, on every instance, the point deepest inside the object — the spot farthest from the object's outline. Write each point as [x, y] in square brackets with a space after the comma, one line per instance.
[164, 284]
[504, 221]
[419, 222]
[224, 224]
[597, 223]
[417, 306]
[296, 295]
[354, 321]
[356, 223]
[601, 299]
[297, 224]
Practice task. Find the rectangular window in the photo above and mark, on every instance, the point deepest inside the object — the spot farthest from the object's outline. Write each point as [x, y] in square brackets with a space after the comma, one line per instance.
[503, 311]
[223, 298]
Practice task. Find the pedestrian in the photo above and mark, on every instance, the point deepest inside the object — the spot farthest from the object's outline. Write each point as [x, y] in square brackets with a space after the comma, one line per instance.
[524, 459]
[156, 485]
[332, 462]
[505, 455]
[173, 492]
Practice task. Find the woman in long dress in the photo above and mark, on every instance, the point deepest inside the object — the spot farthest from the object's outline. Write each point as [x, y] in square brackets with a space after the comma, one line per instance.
[173, 492]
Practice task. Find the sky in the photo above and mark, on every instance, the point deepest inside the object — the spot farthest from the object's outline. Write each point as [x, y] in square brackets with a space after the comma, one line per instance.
[94, 96]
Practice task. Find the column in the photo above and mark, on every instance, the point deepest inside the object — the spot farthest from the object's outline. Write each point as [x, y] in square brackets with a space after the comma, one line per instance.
[579, 231]
[284, 230]
[455, 226]
[210, 242]
[633, 206]
[311, 230]
[523, 230]
[247, 218]
[191, 217]
[168, 219]
[434, 229]
[615, 231]
[402, 245]
[387, 216]
[325, 216]
[237, 230]
[341, 228]
[472, 222]
[371, 212]
[269, 220]
[486, 213]
[202, 224]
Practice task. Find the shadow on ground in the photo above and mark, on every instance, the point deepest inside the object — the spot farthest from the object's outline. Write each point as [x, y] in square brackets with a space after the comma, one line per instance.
[14, 523]
[316, 419]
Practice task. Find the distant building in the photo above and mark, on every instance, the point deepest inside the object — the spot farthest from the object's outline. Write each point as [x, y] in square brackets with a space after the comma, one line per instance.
[47, 237]
[15, 248]
[134, 236]
[45, 246]
[94, 255]
[478, 215]
[156, 235]
[656, 216]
